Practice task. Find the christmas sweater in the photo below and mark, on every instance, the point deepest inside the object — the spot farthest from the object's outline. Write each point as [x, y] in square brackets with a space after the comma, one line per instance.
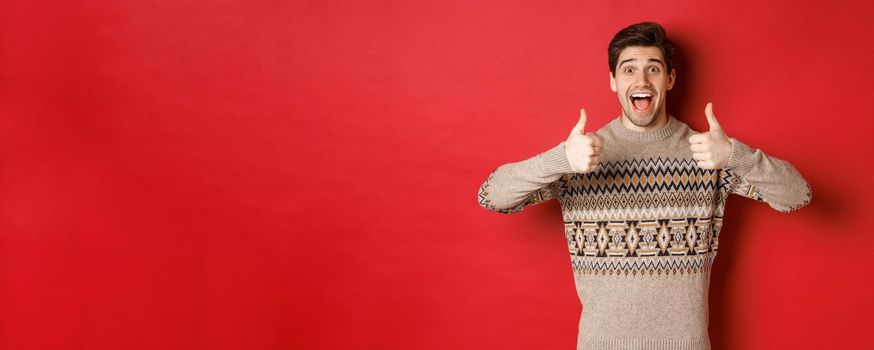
[643, 228]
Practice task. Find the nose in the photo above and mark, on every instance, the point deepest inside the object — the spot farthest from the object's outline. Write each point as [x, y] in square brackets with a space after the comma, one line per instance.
[640, 79]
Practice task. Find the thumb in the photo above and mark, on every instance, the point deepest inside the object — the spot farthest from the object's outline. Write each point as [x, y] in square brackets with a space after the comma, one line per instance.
[581, 124]
[711, 119]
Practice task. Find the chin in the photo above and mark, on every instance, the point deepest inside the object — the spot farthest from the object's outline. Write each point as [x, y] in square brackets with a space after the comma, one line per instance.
[641, 121]
[645, 121]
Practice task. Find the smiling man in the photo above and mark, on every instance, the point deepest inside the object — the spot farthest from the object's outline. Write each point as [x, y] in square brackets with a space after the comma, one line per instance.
[642, 200]
[643, 81]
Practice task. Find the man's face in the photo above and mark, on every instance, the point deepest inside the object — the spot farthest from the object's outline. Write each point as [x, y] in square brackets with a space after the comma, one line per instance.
[642, 83]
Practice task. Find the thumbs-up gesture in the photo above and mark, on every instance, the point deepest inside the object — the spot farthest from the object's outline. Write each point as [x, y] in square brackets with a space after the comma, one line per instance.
[583, 150]
[711, 149]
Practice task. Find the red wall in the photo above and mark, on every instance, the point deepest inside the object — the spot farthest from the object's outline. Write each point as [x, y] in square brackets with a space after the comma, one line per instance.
[264, 175]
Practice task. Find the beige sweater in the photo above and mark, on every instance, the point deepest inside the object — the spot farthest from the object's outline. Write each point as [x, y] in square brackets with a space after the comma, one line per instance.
[643, 229]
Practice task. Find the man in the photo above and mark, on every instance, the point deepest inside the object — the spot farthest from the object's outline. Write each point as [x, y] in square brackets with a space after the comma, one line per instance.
[642, 200]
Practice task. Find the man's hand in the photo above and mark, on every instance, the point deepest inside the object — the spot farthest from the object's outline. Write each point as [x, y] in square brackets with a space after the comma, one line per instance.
[711, 149]
[583, 150]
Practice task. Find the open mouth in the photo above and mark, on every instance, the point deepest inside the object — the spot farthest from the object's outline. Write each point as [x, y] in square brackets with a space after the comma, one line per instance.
[641, 101]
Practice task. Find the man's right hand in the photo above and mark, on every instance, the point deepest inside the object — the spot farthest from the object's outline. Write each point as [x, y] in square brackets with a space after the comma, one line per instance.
[583, 150]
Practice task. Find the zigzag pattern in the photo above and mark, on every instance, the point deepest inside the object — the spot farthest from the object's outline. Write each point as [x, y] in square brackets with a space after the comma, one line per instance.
[614, 214]
[642, 176]
[643, 266]
[651, 200]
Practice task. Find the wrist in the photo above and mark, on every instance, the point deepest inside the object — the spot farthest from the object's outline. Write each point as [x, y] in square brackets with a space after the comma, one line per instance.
[741, 157]
[555, 160]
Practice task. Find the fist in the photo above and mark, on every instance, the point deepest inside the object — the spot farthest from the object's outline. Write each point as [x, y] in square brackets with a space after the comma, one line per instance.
[583, 150]
[711, 149]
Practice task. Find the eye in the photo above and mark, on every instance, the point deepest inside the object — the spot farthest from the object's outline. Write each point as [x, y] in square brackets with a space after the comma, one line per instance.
[627, 70]
[653, 69]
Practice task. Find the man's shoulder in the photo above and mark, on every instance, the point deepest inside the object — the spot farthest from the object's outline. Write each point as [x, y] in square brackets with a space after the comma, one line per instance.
[682, 127]
[607, 127]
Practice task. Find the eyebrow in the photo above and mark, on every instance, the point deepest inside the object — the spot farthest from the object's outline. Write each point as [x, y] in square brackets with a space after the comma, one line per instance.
[634, 59]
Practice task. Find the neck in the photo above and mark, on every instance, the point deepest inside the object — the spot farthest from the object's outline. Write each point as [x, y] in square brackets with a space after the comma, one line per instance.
[667, 130]
[659, 122]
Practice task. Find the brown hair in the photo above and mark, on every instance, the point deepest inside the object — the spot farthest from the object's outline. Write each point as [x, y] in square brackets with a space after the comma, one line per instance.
[640, 34]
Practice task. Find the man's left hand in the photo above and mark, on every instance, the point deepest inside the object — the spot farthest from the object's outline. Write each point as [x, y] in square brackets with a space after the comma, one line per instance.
[711, 149]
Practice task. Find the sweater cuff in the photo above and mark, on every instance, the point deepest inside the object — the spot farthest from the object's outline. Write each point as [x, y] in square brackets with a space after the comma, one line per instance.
[555, 160]
[741, 159]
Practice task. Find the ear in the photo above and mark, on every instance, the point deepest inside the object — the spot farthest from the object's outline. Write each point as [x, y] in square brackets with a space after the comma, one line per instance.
[671, 78]
[612, 82]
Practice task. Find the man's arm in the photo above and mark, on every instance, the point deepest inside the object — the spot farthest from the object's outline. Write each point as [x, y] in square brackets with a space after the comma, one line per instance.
[767, 179]
[513, 186]
[751, 173]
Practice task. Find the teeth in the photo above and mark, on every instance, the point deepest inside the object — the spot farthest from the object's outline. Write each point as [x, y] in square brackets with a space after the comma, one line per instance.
[641, 95]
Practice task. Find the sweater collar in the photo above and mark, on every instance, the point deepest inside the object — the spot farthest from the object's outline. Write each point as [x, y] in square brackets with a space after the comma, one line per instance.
[651, 135]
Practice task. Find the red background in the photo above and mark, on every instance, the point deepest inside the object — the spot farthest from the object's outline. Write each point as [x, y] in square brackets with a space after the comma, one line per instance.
[265, 175]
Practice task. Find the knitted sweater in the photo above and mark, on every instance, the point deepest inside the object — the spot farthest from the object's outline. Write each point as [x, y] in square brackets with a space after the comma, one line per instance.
[643, 228]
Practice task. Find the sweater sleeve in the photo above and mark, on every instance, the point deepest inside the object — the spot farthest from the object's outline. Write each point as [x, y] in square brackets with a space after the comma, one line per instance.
[513, 186]
[767, 179]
